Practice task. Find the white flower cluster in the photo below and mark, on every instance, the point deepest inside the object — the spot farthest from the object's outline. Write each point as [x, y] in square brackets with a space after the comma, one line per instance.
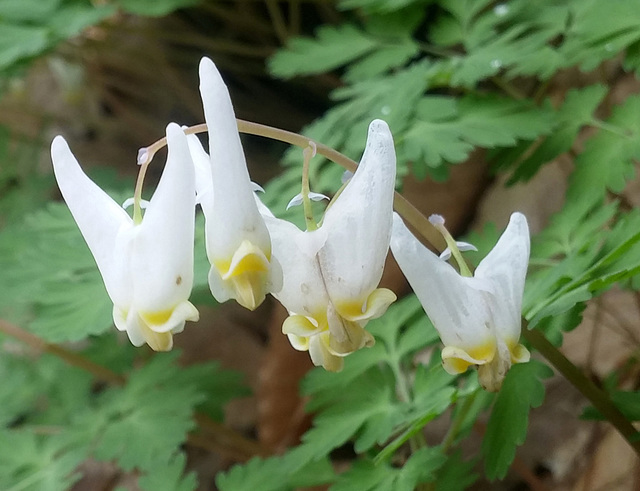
[326, 277]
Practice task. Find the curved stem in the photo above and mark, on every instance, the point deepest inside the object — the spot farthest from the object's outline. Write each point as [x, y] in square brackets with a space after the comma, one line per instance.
[137, 194]
[411, 215]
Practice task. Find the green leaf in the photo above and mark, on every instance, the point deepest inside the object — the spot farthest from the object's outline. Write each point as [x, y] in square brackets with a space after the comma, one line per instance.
[599, 31]
[142, 424]
[576, 112]
[448, 128]
[74, 16]
[381, 60]
[155, 8]
[169, 477]
[332, 47]
[37, 462]
[456, 474]
[381, 6]
[18, 42]
[368, 410]
[432, 395]
[281, 473]
[19, 11]
[344, 127]
[507, 427]
[364, 475]
[618, 144]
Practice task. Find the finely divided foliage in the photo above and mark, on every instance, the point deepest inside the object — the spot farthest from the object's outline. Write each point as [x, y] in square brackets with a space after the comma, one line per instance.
[449, 77]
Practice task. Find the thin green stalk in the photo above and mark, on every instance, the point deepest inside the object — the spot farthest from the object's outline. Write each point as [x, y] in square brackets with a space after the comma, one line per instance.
[595, 395]
[603, 125]
[454, 429]
[304, 192]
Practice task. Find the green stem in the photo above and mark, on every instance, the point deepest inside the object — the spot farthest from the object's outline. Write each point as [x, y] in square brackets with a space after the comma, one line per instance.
[137, 194]
[417, 440]
[308, 153]
[67, 356]
[454, 429]
[438, 222]
[509, 89]
[595, 395]
[603, 125]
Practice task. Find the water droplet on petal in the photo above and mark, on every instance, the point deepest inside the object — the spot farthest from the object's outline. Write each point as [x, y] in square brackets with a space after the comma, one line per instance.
[386, 110]
[501, 10]
[496, 63]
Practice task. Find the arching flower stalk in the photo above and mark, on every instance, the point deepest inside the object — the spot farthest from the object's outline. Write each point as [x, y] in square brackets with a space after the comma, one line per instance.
[478, 317]
[147, 262]
[238, 242]
[331, 272]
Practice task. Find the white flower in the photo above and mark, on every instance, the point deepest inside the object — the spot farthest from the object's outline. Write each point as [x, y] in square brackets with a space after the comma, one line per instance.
[238, 242]
[330, 275]
[478, 318]
[147, 267]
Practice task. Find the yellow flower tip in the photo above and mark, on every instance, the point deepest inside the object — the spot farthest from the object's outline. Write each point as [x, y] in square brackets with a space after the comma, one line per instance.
[373, 307]
[300, 326]
[298, 343]
[519, 354]
[492, 374]
[250, 289]
[170, 319]
[157, 341]
[248, 258]
[346, 336]
[333, 364]
[157, 318]
[247, 274]
[457, 360]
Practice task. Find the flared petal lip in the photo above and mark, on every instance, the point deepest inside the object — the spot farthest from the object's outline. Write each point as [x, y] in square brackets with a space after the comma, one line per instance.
[184, 311]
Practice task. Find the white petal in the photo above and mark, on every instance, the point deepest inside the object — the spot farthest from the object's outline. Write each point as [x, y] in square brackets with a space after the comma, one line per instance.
[297, 199]
[235, 215]
[465, 246]
[358, 224]
[446, 254]
[302, 290]
[203, 179]
[99, 218]
[131, 201]
[506, 267]
[220, 289]
[133, 328]
[457, 310]
[163, 259]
